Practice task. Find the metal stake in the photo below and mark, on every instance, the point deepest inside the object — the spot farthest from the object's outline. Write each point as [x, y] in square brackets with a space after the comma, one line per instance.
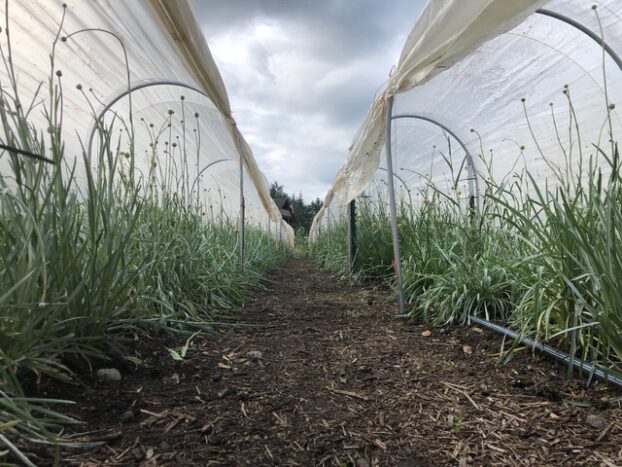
[352, 247]
[242, 206]
[394, 232]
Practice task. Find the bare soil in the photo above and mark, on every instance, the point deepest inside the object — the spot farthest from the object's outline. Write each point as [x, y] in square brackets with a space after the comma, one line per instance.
[323, 374]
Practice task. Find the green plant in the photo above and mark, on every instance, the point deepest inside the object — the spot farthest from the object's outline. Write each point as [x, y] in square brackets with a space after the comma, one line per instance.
[88, 262]
[539, 255]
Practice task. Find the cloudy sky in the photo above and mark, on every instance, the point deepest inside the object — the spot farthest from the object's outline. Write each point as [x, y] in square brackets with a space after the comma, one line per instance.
[301, 74]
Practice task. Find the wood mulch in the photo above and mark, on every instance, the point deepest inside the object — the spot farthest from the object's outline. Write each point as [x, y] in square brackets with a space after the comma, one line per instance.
[326, 376]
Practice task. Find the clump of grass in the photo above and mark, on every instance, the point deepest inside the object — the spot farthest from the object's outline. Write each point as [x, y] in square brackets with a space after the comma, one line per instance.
[374, 258]
[85, 265]
[329, 250]
[540, 255]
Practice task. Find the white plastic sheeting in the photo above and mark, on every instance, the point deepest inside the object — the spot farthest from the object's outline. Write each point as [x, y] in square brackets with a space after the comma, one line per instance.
[155, 42]
[468, 66]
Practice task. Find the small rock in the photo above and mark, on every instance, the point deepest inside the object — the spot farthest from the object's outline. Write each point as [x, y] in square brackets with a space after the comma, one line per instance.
[255, 354]
[467, 349]
[225, 392]
[164, 446]
[127, 416]
[175, 378]
[442, 331]
[137, 453]
[109, 375]
[603, 403]
[426, 333]
[596, 422]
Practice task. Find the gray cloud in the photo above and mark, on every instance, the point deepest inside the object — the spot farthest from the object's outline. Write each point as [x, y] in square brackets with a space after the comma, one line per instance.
[301, 75]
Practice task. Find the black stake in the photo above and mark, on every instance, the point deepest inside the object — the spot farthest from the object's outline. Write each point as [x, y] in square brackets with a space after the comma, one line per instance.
[26, 153]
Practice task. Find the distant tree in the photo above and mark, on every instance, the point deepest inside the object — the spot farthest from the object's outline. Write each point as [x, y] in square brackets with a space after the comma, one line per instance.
[303, 213]
[277, 190]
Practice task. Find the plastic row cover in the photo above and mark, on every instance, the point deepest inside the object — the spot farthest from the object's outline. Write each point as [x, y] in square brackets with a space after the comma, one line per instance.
[465, 98]
[178, 109]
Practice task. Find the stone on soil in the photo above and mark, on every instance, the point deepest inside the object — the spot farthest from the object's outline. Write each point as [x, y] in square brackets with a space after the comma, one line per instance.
[109, 375]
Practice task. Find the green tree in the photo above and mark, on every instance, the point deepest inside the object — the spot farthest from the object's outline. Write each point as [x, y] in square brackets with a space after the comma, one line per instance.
[277, 190]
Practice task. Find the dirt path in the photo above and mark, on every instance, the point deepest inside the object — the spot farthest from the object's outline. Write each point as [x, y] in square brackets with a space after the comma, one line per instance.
[328, 377]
